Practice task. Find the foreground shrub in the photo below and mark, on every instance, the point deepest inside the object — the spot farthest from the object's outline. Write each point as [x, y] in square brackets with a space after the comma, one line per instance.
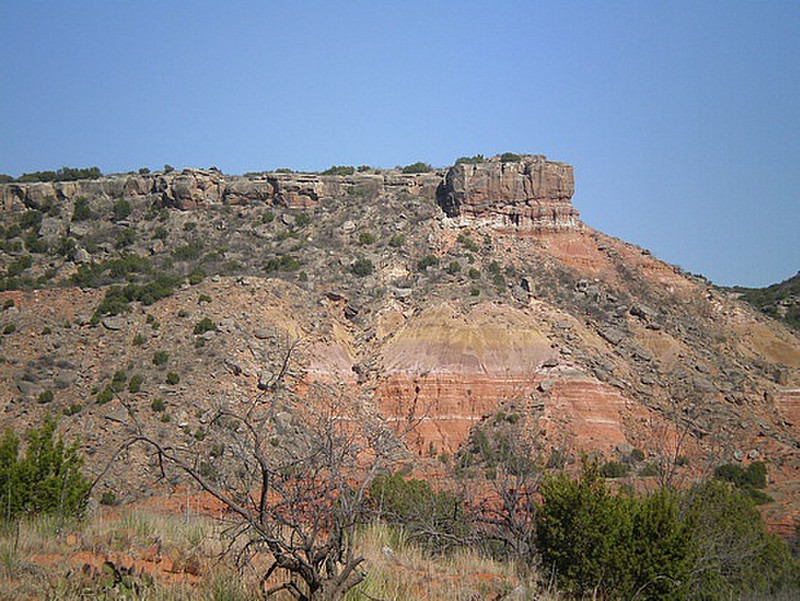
[708, 542]
[45, 479]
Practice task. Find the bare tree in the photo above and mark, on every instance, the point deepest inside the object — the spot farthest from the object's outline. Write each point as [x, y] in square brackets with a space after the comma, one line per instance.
[292, 478]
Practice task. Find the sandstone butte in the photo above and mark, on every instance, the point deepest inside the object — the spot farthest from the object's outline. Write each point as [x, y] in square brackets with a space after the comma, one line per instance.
[593, 344]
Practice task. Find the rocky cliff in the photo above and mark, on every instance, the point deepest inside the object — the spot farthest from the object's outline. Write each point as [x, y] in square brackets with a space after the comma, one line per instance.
[531, 194]
[198, 188]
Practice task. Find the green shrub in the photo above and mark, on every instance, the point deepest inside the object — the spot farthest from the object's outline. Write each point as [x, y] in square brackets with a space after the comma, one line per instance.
[105, 396]
[453, 267]
[339, 170]
[427, 261]
[34, 244]
[510, 157]
[397, 241]
[124, 237]
[160, 358]
[707, 542]
[434, 518]
[418, 167]
[204, 325]
[81, 211]
[109, 498]
[754, 476]
[188, 252]
[637, 455]
[46, 479]
[8, 303]
[121, 209]
[614, 469]
[113, 303]
[73, 409]
[196, 276]
[173, 378]
[135, 384]
[473, 160]
[366, 238]
[282, 263]
[18, 265]
[362, 267]
[65, 174]
[158, 405]
[9, 328]
[474, 291]
[30, 220]
[67, 248]
[650, 470]
[46, 396]
[138, 339]
[118, 381]
[585, 535]
[474, 274]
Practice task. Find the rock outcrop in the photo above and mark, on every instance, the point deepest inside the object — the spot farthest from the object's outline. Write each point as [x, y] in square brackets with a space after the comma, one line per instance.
[191, 189]
[529, 195]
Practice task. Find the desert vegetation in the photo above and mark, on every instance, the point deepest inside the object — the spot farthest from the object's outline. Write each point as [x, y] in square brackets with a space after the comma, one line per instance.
[305, 501]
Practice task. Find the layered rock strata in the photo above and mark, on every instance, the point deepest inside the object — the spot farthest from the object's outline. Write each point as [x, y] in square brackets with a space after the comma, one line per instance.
[197, 188]
[529, 195]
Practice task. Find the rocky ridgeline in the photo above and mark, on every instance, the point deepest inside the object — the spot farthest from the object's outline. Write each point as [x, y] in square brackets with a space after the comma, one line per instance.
[532, 194]
[196, 188]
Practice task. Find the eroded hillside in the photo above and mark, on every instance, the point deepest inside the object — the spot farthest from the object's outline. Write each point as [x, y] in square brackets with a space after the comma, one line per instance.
[446, 298]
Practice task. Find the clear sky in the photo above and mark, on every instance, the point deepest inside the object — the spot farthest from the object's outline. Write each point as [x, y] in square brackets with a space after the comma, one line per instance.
[682, 119]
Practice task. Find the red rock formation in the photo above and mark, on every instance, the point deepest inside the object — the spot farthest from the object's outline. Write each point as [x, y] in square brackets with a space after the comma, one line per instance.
[448, 369]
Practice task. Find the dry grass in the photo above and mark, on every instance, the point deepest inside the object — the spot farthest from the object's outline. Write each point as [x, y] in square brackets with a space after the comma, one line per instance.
[400, 571]
[159, 557]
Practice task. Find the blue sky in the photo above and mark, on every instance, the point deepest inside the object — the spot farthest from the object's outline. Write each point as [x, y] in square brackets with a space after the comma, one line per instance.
[682, 119]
